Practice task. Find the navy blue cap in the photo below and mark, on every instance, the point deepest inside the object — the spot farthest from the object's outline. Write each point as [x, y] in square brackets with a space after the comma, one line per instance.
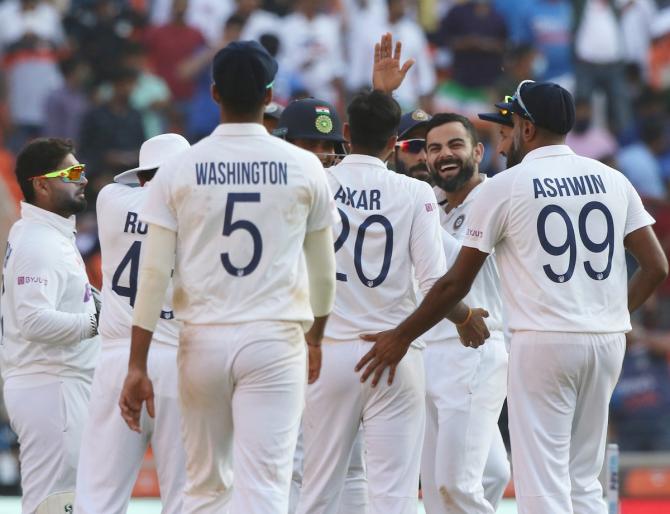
[546, 104]
[309, 118]
[502, 116]
[241, 65]
[412, 120]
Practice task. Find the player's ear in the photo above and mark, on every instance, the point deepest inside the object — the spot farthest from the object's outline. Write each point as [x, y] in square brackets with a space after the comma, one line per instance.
[528, 130]
[479, 152]
[346, 131]
[215, 94]
[268, 96]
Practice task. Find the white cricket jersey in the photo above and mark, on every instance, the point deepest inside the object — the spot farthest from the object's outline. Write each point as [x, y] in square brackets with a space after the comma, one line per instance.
[485, 290]
[241, 202]
[122, 236]
[389, 231]
[557, 222]
[46, 307]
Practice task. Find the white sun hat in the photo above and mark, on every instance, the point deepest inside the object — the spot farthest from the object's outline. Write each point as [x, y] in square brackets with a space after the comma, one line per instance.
[153, 153]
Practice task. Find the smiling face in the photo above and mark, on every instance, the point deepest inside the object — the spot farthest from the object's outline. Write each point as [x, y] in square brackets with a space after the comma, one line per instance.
[452, 157]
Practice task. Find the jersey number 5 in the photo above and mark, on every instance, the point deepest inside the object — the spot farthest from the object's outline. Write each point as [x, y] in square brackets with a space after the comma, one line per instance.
[132, 259]
[570, 244]
[358, 247]
[230, 226]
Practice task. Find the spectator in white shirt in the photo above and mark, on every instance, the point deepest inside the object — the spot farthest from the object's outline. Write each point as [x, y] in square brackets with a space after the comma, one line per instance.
[311, 49]
[417, 88]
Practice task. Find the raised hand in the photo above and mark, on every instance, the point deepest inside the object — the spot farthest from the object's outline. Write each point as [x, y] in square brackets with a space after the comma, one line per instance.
[387, 74]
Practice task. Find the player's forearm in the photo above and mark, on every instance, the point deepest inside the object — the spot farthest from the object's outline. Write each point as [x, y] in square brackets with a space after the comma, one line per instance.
[443, 300]
[154, 276]
[140, 340]
[50, 326]
[320, 260]
[641, 285]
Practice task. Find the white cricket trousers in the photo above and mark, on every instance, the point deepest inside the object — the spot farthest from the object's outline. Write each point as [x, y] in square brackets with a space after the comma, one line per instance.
[48, 419]
[111, 454]
[241, 389]
[393, 419]
[354, 498]
[463, 448]
[559, 389]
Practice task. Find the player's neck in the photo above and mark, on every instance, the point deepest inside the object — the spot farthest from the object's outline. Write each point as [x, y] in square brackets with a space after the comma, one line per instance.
[361, 150]
[456, 198]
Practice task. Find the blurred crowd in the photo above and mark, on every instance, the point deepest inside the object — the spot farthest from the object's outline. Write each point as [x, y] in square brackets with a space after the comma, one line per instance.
[111, 73]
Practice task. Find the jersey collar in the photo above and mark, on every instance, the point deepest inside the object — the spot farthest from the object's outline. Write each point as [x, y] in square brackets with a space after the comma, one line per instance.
[442, 196]
[363, 159]
[548, 151]
[240, 129]
[30, 212]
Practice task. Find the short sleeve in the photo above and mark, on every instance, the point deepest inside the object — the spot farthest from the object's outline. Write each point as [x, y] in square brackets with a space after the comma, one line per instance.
[636, 215]
[323, 212]
[158, 208]
[487, 222]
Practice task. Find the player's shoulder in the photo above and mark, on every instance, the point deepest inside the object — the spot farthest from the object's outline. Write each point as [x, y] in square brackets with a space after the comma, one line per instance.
[115, 194]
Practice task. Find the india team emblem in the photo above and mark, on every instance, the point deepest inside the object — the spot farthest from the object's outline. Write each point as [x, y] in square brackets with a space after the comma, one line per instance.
[324, 124]
[458, 222]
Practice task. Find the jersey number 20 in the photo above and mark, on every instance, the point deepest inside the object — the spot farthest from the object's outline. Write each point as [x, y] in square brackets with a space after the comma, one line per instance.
[570, 244]
[358, 247]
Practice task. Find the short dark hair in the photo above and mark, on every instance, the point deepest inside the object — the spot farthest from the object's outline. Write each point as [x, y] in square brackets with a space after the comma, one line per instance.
[443, 118]
[243, 71]
[40, 156]
[374, 117]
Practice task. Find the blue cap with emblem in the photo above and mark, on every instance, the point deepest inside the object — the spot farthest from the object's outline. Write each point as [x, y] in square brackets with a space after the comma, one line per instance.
[412, 120]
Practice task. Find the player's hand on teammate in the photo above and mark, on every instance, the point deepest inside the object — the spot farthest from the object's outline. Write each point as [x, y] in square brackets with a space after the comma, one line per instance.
[137, 389]
[387, 352]
[387, 74]
[474, 332]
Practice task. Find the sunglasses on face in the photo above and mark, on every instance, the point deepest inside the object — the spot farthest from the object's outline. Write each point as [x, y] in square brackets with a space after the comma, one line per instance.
[411, 145]
[72, 174]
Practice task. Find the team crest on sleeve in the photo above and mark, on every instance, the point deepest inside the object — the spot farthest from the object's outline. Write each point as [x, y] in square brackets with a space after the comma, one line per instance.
[458, 222]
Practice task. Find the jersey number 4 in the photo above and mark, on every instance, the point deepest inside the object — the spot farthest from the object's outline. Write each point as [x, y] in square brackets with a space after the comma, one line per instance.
[132, 259]
[570, 243]
[358, 247]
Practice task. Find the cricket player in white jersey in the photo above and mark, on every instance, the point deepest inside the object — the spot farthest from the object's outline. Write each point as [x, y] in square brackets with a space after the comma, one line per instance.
[49, 320]
[465, 387]
[389, 226]
[111, 454]
[250, 217]
[503, 118]
[560, 225]
[314, 125]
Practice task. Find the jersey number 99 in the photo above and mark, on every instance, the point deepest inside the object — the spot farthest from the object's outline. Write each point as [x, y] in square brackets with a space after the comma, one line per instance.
[570, 243]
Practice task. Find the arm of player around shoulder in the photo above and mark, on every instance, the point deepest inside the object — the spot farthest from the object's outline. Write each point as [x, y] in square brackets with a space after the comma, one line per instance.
[39, 283]
[652, 265]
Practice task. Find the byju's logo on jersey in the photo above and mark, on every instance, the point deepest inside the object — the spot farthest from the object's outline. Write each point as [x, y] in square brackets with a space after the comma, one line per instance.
[474, 233]
[24, 280]
[459, 221]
